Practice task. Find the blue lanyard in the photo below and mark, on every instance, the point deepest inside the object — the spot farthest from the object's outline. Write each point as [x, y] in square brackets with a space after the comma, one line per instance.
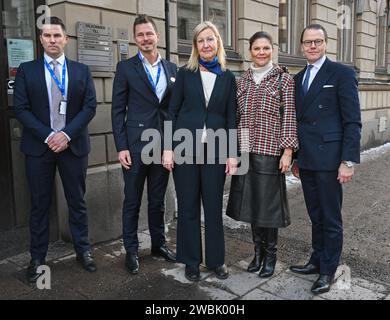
[59, 85]
[154, 86]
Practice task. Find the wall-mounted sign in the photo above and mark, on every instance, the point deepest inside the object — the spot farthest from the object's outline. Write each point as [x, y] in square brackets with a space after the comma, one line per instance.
[19, 51]
[95, 47]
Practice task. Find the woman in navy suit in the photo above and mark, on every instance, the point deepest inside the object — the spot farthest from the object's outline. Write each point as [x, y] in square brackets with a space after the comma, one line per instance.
[203, 101]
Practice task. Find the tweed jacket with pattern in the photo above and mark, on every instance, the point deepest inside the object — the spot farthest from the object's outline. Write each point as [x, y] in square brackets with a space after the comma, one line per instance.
[261, 127]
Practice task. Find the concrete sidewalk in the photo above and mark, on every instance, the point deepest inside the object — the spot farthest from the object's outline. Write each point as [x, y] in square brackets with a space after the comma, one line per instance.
[364, 272]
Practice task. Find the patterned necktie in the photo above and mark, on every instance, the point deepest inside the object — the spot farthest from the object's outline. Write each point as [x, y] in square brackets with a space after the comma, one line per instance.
[58, 120]
[307, 78]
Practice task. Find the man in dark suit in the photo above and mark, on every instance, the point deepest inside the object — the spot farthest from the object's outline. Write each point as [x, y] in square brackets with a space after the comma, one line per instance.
[55, 100]
[329, 125]
[141, 93]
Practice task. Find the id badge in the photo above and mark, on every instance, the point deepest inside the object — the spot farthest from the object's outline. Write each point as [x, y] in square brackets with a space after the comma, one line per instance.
[63, 107]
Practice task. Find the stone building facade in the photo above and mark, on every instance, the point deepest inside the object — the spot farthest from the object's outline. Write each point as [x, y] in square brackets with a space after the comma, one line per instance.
[358, 35]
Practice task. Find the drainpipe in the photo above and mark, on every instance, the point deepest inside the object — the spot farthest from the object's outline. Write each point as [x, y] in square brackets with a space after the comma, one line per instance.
[167, 33]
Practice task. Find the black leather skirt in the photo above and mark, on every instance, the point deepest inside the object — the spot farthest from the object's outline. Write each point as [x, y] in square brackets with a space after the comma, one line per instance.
[259, 197]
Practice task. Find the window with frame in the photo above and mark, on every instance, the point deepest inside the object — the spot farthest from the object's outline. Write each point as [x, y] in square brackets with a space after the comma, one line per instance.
[345, 30]
[381, 37]
[191, 12]
[293, 17]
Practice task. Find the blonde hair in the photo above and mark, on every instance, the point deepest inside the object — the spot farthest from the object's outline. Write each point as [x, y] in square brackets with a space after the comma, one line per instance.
[193, 61]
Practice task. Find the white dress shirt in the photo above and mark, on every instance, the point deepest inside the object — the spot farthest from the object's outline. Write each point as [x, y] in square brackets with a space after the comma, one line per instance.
[153, 69]
[316, 67]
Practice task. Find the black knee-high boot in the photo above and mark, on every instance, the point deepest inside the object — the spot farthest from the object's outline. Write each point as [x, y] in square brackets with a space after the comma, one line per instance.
[270, 253]
[258, 236]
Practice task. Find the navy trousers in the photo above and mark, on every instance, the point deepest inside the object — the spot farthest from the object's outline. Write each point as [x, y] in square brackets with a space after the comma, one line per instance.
[323, 196]
[157, 180]
[195, 183]
[40, 176]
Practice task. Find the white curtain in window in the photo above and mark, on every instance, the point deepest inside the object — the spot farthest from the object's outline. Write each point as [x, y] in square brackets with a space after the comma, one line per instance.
[218, 13]
[297, 15]
[189, 15]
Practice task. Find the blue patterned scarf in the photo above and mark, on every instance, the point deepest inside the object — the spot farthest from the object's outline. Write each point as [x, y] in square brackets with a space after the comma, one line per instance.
[212, 66]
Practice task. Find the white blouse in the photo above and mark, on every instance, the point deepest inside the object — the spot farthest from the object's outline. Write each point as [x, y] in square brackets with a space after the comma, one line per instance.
[208, 81]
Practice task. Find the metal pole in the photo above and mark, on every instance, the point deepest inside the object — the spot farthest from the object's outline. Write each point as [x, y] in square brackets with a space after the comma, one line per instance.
[167, 32]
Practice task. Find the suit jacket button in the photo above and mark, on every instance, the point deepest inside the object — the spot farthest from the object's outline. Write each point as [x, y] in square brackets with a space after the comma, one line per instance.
[314, 123]
[320, 106]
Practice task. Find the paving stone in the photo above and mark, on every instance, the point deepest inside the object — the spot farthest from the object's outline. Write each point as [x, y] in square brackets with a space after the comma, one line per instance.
[155, 287]
[59, 249]
[388, 297]
[56, 250]
[114, 249]
[319, 298]
[258, 294]
[52, 294]
[288, 286]
[178, 273]
[376, 287]
[239, 282]
[12, 288]
[21, 260]
[237, 250]
[69, 275]
[354, 293]
[8, 268]
[215, 293]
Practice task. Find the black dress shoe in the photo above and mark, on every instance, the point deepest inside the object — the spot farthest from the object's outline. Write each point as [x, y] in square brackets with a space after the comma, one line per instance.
[131, 263]
[322, 284]
[164, 252]
[192, 273]
[32, 272]
[87, 261]
[308, 268]
[221, 272]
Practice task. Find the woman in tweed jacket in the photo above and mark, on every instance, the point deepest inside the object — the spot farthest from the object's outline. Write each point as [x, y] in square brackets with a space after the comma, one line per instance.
[267, 130]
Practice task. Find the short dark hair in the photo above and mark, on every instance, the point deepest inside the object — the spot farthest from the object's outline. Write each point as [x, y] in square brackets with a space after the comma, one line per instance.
[315, 26]
[54, 20]
[143, 18]
[260, 35]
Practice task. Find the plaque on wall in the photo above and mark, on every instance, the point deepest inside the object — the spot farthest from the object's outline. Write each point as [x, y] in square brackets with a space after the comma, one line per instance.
[95, 49]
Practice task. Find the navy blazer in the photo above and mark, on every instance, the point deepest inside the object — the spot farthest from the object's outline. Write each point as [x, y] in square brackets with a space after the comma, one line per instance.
[32, 109]
[187, 109]
[135, 106]
[329, 120]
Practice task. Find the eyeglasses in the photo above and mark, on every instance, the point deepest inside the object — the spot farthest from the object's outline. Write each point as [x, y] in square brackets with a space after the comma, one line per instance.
[317, 43]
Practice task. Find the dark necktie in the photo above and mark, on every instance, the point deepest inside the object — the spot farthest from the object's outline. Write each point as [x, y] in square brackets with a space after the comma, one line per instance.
[305, 85]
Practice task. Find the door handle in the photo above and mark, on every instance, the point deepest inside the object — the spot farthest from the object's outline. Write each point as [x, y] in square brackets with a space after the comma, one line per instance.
[10, 86]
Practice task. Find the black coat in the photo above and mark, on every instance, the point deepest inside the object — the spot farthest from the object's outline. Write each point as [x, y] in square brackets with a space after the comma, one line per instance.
[135, 106]
[187, 108]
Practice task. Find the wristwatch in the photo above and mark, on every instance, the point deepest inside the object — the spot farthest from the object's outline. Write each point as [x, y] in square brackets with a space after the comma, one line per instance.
[349, 164]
